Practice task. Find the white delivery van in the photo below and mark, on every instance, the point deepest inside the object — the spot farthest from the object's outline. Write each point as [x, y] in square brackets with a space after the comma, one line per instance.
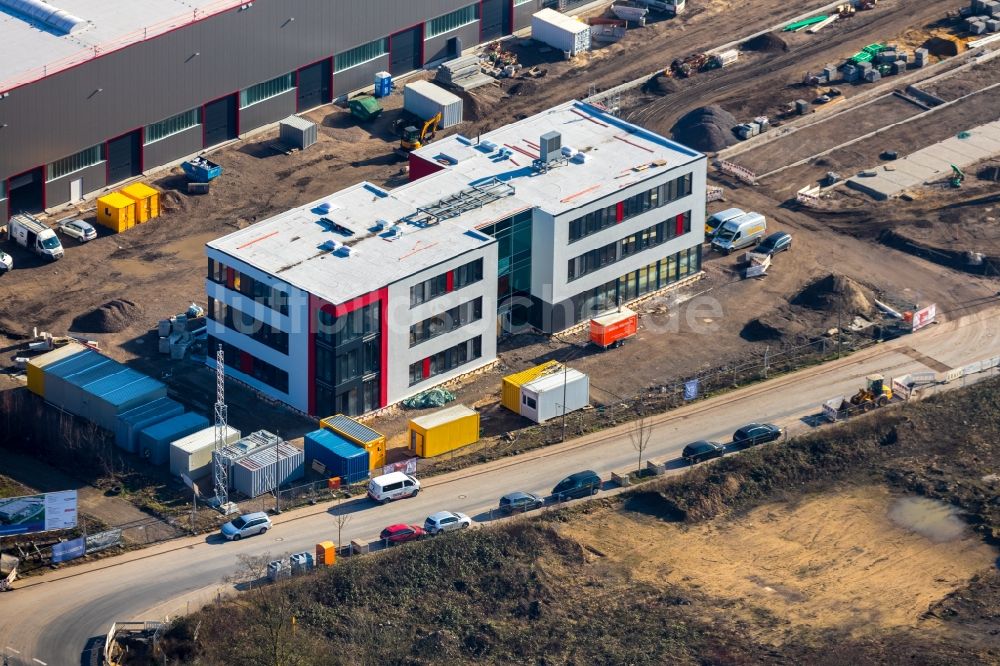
[738, 232]
[34, 235]
[713, 222]
[392, 486]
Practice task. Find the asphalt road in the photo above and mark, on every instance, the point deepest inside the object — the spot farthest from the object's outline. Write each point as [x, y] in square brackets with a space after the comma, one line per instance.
[52, 619]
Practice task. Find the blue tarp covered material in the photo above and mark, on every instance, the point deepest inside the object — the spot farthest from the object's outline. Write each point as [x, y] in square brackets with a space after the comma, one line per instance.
[155, 440]
[130, 422]
[340, 456]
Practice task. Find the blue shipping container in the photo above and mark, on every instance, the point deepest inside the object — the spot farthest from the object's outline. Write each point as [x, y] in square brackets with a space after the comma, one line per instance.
[104, 399]
[130, 422]
[155, 440]
[59, 390]
[341, 457]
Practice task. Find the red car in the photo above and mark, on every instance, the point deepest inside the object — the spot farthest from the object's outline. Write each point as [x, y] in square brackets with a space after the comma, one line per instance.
[402, 533]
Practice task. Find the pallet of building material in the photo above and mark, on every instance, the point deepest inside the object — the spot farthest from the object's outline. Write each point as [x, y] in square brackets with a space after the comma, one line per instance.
[816, 27]
[198, 188]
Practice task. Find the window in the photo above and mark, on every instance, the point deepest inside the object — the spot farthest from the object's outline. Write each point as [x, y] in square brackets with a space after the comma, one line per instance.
[522, 2]
[649, 237]
[428, 289]
[241, 361]
[470, 273]
[447, 360]
[266, 90]
[453, 319]
[361, 54]
[81, 160]
[245, 323]
[165, 128]
[452, 21]
[261, 292]
[3, 190]
[636, 204]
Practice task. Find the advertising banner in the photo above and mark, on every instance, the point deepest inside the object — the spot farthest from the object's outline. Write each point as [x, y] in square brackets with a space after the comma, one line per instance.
[691, 389]
[69, 550]
[38, 513]
[408, 466]
[924, 316]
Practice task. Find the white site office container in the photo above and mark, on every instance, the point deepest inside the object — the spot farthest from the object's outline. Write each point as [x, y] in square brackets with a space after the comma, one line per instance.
[542, 398]
[192, 455]
[560, 32]
[425, 100]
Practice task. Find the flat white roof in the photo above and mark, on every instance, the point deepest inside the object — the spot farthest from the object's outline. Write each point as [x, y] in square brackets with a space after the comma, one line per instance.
[617, 153]
[31, 48]
[442, 416]
[553, 381]
[340, 254]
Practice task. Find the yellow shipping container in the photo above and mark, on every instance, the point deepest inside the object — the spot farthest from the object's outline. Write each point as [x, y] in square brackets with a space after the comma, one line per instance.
[510, 396]
[37, 365]
[371, 441]
[443, 431]
[147, 201]
[116, 212]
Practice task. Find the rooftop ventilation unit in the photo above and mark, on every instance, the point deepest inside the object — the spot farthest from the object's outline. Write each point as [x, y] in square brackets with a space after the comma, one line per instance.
[57, 19]
[330, 246]
[549, 145]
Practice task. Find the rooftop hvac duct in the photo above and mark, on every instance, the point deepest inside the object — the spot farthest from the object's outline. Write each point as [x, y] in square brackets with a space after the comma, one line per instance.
[57, 19]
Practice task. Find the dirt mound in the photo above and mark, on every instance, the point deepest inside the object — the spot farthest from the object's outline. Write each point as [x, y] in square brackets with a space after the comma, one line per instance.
[707, 128]
[776, 326]
[525, 88]
[660, 85]
[112, 317]
[832, 292]
[766, 43]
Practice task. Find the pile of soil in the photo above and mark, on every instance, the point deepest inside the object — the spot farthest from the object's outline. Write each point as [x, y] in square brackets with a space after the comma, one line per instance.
[775, 326]
[524, 88]
[766, 43]
[831, 292]
[660, 85]
[112, 317]
[707, 128]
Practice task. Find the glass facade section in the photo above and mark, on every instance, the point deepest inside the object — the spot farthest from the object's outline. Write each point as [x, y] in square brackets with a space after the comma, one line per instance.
[452, 21]
[174, 125]
[261, 292]
[513, 264]
[447, 360]
[636, 204]
[361, 54]
[237, 359]
[266, 90]
[68, 165]
[347, 360]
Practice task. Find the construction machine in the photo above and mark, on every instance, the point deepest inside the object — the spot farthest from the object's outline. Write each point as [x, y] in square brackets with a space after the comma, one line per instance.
[412, 138]
[957, 176]
[874, 394]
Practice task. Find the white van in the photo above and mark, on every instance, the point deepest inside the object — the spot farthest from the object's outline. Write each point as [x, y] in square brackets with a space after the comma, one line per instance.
[738, 232]
[392, 486]
[716, 220]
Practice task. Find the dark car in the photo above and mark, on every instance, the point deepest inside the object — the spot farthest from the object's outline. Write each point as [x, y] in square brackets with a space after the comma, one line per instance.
[401, 533]
[696, 452]
[577, 485]
[756, 433]
[519, 501]
[775, 243]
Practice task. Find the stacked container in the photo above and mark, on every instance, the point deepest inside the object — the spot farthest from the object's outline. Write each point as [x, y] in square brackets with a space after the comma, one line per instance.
[37, 365]
[131, 422]
[425, 100]
[259, 472]
[443, 431]
[554, 395]
[147, 201]
[510, 396]
[155, 440]
[192, 455]
[371, 441]
[116, 212]
[340, 456]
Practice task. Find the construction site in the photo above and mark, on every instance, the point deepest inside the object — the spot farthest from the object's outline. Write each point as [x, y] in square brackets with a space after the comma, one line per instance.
[761, 90]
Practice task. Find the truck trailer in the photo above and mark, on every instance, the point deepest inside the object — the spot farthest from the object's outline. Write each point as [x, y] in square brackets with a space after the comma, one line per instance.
[34, 235]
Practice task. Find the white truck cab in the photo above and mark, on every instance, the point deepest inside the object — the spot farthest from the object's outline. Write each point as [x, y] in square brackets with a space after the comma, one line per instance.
[34, 235]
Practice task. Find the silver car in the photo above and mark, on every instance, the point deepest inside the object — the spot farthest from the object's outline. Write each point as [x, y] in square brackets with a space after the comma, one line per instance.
[78, 229]
[246, 525]
[446, 521]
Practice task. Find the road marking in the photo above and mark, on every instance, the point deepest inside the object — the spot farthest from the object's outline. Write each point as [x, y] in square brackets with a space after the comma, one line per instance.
[40, 661]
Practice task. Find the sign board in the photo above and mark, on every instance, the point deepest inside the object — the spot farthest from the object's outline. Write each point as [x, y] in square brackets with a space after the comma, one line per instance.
[38, 513]
[65, 551]
[952, 375]
[408, 466]
[691, 389]
[902, 386]
[319, 467]
[924, 316]
[972, 368]
[923, 377]
[831, 408]
[758, 268]
[102, 540]
[191, 484]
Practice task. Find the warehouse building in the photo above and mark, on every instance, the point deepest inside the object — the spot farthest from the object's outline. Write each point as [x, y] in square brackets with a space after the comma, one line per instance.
[361, 299]
[95, 93]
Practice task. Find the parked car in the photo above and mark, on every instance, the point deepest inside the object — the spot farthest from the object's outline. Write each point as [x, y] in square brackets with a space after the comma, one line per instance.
[756, 433]
[446, 521]
[777, 242]
[401, 533]
[394, 485]
[701, 450]
[520, 501]
[78, 229]
[576, 485]
[6, 262]
[246, 525]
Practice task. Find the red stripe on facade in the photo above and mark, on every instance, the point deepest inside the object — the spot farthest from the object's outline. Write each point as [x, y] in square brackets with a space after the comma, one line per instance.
[620, 211]
[449, 281]
[427, 368]
[680, 224]
[383, 377]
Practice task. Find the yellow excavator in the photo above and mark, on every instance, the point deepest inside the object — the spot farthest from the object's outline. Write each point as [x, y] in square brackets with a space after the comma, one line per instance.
[412, 138]
[874, 394]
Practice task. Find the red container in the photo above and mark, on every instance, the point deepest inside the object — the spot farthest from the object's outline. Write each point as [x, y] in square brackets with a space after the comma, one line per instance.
[611, 329]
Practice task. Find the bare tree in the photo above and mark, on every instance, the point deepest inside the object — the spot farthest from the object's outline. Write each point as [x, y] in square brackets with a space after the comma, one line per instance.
[640, 432]
[341, 518]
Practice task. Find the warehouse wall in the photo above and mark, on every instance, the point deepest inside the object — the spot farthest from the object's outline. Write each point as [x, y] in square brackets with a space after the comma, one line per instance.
[64, 113]
[359, 76]
[437, 48]
[522, 13]
[173, 147]
[268, 111]
[94, 178]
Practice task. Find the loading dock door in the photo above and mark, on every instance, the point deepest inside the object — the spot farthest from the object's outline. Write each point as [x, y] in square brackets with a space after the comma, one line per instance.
[496, 19]
[406, 51]
[220, 121]
[124, 157]
[314, 85]
[26, 193]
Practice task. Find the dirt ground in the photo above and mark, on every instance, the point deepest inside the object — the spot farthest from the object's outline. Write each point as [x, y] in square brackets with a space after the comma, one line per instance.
[971, 80]
[837, 561]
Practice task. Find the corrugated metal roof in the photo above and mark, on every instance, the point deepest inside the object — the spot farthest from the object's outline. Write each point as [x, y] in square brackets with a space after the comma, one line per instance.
[93, 374]
[261, 459]
[347, 426]
[444, 416]
[549, 382]
[163, 430]
[335, 443]
[298, 123]
[58, 354]
[136, 388]
[145, 411]
[203, 438]
[88, 359]
[524, 376]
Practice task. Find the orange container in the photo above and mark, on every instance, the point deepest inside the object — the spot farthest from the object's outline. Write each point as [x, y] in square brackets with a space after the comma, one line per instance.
[326, 553]
[610, 329]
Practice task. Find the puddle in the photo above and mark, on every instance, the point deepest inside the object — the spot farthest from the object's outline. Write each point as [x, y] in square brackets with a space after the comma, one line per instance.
[935, 520]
